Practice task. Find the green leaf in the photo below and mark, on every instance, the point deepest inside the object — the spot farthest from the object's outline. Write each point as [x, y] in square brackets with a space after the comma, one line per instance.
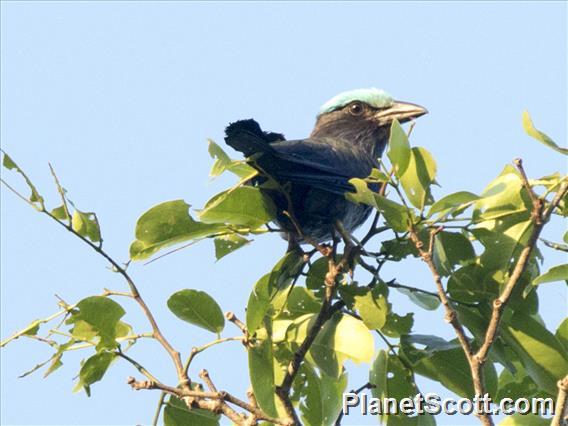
[362, 195]
[197, 308]
[93, 370]
[472, 283]
[432, 343]
[323, 398]
[556, 273]
[393, 380]
[399, 248]
[60, 213]
[477, 320]
[451, 249]
[302, 301]
[543, 357]
[167, 224]
[451, 203]
[397, 325]
[418, 177]
[245, 206]
[226, 244]
[377, 176]
[502, 242]
[261, 373]
[398, 217]
[96, 316]
[451, 369]
[316, 274]
[501, 197]
[176, 413]
[539, 136]
[258, 305]
[524, 420]
[86, 224]
[342, 337]
[562, 334]
[371, 305]
[35, 199]
[398, 149]
[424, 300]
[223, 162]
[271, 291]
[518, 385]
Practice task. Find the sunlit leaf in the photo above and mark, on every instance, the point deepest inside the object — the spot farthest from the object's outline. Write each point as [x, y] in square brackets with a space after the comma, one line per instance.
[35, 199]
[524, 420]
[60, 213]
[226, 244]
[371, 305]
[452, 202]
[501, 197]
[556, 273]
[223, 162]
[397, 216]
[197, 308]
[271, 291]
[539, 136]
[244, 206]
[398, 149]
[418, 177]
[377, 176]
[562, 334]
[97, 316]
[94, 369]
[167, 224]
[87, 225]
[342, 337]
[543, 357]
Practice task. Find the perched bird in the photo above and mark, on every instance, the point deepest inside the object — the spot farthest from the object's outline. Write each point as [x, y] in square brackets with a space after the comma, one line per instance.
[312, 175]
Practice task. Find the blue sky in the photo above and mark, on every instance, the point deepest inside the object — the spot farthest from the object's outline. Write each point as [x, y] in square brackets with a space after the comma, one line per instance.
[121, 97]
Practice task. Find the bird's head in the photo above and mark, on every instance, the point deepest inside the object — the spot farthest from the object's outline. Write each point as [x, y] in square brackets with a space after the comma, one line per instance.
[363, 116]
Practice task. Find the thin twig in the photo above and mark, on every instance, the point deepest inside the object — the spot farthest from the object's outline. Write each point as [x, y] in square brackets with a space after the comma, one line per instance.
[156, 418]
[198, 349]
[357, 391]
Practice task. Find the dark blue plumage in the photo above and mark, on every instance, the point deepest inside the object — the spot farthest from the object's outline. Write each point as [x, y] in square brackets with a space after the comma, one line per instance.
[350, 135]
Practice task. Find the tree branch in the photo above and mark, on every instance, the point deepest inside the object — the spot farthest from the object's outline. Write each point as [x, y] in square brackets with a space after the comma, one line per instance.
[561, 406]
[325, 313]
[540, 218]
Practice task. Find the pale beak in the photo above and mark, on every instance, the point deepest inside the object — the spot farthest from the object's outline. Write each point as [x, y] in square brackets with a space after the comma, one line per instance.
[402, 111]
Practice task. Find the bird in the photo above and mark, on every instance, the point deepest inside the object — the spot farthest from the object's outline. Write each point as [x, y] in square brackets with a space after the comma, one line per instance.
[307, 179]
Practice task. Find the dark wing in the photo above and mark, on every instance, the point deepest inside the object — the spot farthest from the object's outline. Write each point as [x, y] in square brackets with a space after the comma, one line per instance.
[323, 163]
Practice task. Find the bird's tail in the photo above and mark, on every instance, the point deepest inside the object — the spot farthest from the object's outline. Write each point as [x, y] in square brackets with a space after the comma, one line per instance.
[247, 137]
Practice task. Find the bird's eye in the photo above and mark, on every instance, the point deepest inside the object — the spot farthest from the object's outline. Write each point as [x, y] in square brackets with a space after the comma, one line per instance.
[356, 108]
